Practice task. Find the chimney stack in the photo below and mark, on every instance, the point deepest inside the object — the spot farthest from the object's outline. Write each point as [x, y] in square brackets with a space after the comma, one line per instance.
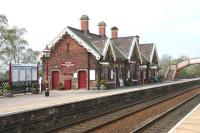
[114, 32]
[102, 29]
[84, 23]
[137, 39]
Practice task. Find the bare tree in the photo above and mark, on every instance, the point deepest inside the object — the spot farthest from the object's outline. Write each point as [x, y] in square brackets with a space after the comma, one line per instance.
[165, 62]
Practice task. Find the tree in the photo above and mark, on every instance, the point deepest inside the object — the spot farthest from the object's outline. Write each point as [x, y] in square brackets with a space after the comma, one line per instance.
[13, 47]
[15, 44]
[3, 26]
[165, 62]
[30, 56]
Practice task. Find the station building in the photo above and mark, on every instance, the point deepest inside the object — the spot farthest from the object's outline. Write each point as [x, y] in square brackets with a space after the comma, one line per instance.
[80, 59]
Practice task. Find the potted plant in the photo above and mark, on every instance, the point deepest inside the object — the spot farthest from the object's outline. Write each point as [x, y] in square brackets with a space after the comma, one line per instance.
[35, 89]
[7, 92]
[60, 86]
[102, 84]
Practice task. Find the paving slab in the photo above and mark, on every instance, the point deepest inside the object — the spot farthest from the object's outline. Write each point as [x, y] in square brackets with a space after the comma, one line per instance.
[190, 123]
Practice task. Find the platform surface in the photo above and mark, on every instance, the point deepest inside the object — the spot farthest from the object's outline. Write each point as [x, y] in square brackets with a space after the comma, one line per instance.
[28, 102]
[189, 124]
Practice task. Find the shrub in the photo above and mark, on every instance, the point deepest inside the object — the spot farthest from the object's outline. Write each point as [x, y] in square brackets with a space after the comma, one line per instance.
[35, 89]
[35, 85]
[60, 86]
[6, 88]
[102, 83]
[129, 82]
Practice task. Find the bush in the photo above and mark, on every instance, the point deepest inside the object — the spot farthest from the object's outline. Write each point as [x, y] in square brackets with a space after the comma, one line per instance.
[35, 85]
[60, 86]
[35, 89]
[129, 82]
[102, 83]
[6, 88]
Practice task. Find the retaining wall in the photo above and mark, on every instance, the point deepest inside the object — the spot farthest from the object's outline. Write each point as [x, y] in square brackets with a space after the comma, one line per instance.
[50, 118]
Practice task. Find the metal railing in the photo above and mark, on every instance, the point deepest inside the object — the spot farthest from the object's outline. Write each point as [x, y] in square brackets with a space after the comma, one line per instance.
[18, 87]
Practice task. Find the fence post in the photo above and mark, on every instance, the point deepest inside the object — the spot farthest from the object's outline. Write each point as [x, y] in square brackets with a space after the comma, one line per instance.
[37, 73]
[10, 75]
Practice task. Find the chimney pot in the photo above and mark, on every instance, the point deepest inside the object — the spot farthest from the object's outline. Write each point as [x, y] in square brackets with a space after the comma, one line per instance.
[137, 39]
[114, 32]
[84, 23]
[102, 29]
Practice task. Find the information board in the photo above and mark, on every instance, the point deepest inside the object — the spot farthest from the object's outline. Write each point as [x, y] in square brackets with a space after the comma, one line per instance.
[24, 72]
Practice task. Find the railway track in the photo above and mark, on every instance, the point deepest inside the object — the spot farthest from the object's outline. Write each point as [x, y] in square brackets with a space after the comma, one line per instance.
[134, 118]
[164, 122]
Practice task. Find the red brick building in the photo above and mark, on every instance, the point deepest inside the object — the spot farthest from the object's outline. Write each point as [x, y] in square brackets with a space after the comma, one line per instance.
[80, 59]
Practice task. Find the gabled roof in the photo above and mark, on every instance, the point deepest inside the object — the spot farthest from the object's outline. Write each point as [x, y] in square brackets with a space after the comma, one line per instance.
[82, 38]
[89, 38]
[117, 52]
[147, 52]
[123, 44]
[122, 47]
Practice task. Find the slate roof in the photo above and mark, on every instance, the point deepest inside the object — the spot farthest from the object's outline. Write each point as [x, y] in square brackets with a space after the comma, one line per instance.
[89, 38]
[118, 53]
[121, 46]
[146, 51]
[124, 44]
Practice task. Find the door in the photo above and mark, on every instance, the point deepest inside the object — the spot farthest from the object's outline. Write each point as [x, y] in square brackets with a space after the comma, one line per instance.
[55, 79]
[82, 80]
[67, 84]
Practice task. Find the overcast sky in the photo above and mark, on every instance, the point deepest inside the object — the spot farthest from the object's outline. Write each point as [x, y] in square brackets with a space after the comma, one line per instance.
[173, 25]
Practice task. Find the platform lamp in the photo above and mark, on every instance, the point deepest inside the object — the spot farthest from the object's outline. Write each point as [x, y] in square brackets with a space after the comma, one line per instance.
[46, 53]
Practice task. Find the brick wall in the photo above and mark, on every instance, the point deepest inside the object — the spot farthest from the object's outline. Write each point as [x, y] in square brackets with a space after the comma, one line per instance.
[68, 50]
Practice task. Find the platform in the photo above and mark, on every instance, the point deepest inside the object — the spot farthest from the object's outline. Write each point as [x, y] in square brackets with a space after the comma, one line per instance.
[189, 124]
[29, 102]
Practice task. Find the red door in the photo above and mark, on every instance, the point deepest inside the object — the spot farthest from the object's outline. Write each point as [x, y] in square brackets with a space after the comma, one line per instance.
[67, 84]
[82, 80]
[55, 79]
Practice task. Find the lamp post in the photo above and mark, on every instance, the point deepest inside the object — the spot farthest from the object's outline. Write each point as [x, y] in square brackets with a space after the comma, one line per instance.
[46, 53]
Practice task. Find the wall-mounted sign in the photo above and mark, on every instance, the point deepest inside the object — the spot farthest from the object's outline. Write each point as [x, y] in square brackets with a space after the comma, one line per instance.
[111, 74]
[153, 67]
[75, 75]
[92, 74]
[67, 64]
[142, 67]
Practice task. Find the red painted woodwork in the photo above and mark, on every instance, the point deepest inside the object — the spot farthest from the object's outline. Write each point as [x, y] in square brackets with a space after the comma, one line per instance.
[82, 80]
[67, 84]
[55, 79]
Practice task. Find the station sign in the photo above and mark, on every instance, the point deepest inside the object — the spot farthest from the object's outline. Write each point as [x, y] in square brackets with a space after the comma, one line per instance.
[67, 64]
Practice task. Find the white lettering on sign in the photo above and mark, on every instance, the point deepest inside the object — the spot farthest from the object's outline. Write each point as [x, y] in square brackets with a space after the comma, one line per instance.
[67, 64]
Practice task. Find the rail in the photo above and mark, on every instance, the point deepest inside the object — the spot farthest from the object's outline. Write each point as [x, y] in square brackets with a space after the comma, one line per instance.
[99, 121]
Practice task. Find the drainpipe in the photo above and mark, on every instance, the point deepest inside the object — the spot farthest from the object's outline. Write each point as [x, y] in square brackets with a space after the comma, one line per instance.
[100, 72]
[147, 74]
[10, 75]
[88, 71]
[125, 71]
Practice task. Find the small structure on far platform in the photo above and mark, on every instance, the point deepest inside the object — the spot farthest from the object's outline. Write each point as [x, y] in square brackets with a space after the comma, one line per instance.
[24, 72]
